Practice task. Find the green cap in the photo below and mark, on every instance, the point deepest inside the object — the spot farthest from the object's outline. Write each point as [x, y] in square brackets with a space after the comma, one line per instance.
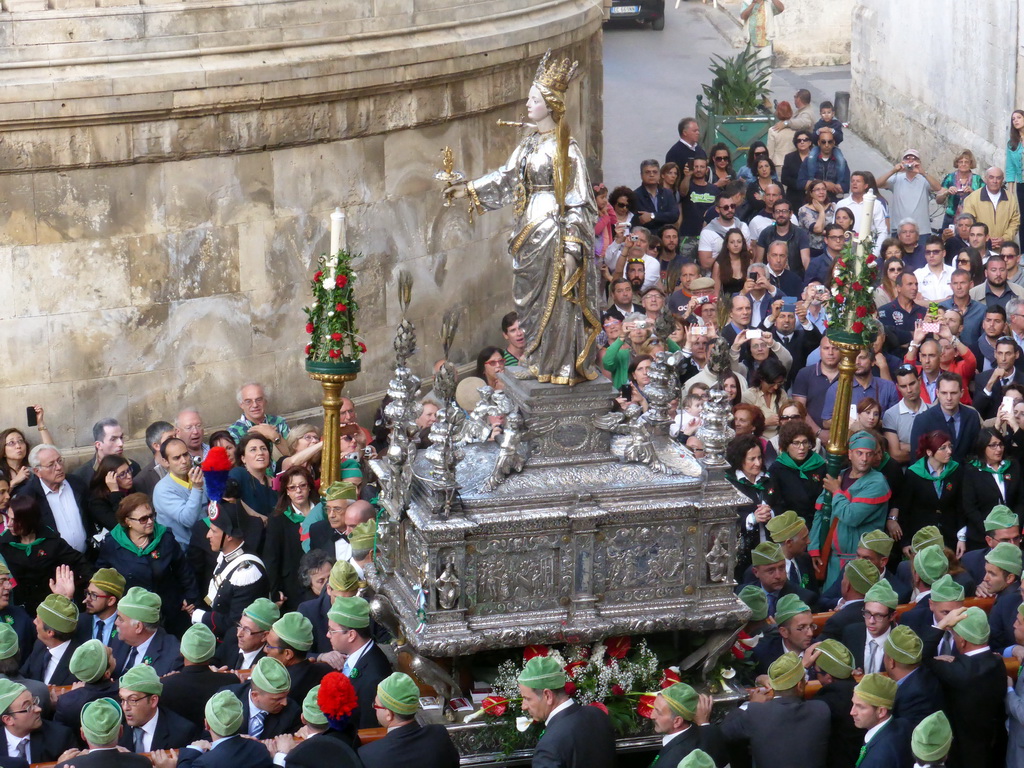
[263, 612]
[862, 575]
[271, 676]
[311, 710]
[1006, 556]
[59, 613]
[788, 607]
[1001, 517]
[932, 738]
[101, 721]
[9, 691]
[198, 644]
[140, 604]
[363, 535]
[883, 593]
[296, 630]
[224, 713]
[351, 612]
[400, 694]
[903, 645]
[931, 563]
[110, 581]
[343, 577]
[756, 600]
[543, 672]
[766, 553]
[341, 490]
[142, 678]
[877, 541]
[90, 662]
[925, 537]
[835, 658]
[973, 627]
[8, 641]
[682, 700]
[696, 759]
[785, 672]
[863, 439]
[945, 590]
[785, 526]
[350, 469]
[876, 690]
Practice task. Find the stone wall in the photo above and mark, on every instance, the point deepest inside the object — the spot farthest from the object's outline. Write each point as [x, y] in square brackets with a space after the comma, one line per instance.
[813, 33]
[169, 172]
[937, 75]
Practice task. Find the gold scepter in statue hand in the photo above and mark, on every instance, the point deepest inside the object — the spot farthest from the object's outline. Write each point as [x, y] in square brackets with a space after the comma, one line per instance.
[448, 175]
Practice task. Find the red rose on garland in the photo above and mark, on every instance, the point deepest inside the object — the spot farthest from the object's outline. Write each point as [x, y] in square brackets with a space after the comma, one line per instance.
[570, 688]
[340, 307]
[862, 311]
[309, 327]
[857, 286]
[362, 347]
[840, 299]
[857, 327]
[617, 690]
[335, 337]
[341, 281]
[308, 348]
[318, 275]
[495, 705]
[334, 353]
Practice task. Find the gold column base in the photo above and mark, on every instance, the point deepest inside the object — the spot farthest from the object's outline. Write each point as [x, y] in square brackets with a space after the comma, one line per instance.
[839, 432]
[330, 460]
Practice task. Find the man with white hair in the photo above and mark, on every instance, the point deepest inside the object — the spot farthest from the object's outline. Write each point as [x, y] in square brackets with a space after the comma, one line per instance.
[253, 399]
[991, 205]
[189, 427]
[61, 497]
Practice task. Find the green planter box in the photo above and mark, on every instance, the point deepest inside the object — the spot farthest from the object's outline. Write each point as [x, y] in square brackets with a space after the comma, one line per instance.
[737, 132]
[334, 368]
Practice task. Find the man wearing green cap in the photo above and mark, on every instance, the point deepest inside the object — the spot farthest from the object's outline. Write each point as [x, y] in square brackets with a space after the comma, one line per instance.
[186, 693]
[225, 721]
[779, 711]
[832, 666]
[105, 588]
[931, 740]
[974, 681]
[887, 741]
[918, 693]
[343, 581]
[856, 579]
[875, 547]
[928, 566]
[363, 539]
[93, 664]
[101, 729]
[150, 726]
[769, 571]
[244, 647]
[407, 744]
[27, 737]
[342, 512]
[860, 503]
[10, 668]
[1000, 525]
[56, 621]
[794, 634]
[1002, 581]
[573, 736]
[790, 532]
[366, 665]
[143, 640]
[321, 743]
[289, 641]
[268, 711]
[866, 639]
[238, 578]
[682, 717]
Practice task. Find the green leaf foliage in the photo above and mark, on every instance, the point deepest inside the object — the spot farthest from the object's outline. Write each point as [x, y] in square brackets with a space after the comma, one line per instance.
[739, 84]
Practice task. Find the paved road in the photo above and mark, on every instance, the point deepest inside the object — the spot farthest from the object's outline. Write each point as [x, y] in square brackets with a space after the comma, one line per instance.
[651, 80]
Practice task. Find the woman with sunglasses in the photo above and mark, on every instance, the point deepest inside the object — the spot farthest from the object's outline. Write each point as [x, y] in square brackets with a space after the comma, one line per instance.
[991, 477]
[765, 177]
[111, 482]
[720, 173]
[815, 214]
[885, 293]
[147, 555]
[755, 152]
[802, 143]
[970, 259]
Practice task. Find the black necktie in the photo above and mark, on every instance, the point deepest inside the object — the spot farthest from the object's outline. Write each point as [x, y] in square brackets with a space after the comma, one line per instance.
[794, 574]
[100, 624]
[952, 427]
[131, 659]
[785, 339]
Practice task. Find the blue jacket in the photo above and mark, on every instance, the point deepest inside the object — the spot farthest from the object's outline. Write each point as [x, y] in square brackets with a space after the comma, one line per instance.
[838, 172]
[165, 571]
[668, 208]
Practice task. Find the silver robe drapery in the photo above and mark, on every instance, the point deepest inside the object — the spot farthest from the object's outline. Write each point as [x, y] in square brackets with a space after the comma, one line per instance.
[555, 302]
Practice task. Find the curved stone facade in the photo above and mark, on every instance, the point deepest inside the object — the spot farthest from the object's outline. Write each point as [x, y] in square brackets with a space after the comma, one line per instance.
[169, 170]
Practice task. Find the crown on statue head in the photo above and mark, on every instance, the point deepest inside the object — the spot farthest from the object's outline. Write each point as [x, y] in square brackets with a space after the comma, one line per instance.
[554, 74]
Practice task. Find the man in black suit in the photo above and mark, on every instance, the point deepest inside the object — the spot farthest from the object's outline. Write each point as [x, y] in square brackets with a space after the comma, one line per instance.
[794, 634]
[974, 683]
[225, 720]
[688, 146]
[101, 730]
[858, 577]
[156, 470]
[150, 726]
[656, 206]
[407, 744]
[573, 736]
[682, 718]
[959, 421]
[288, 641]
[143, 640]
[1001, 525]
[267, 709]
[50, 485]
[944, 596]
[242, 648]
[789, 531]
[789, 325]
[887, 742]
[28, 736]
[323, 743]
[918, 693]
[56, 621]
[780, 711]
[770, 571]
[92, 663]
[187, 692]
[343, 582]
[832, 665]
[866, 638]
[99, 618]
[874, 546]
[987, 397]
[108, 440]
[1002, 581]
[366, 665]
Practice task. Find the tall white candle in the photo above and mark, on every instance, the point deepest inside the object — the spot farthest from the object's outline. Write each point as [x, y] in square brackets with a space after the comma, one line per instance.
[337, 224]
[867, 218]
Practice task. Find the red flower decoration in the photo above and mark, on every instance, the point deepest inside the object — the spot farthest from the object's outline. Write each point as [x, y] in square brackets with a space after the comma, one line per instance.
[362, 347]
[645, 706]
[308, 348]
[337, 696]
[669, 677]
[870, 259]
[842, 264]
[857, 327]
[839, 281]
[857, 286]
[618, 647]
[309, 327]
[840, 299]
[341, 281]
[318, 275]
[339, 307]
[570, 688]
[531, 651]
[336, 336]
[495, 705]
[862, 311]
[617, 690]
[334, 353]
[599, 705]
[570, 668]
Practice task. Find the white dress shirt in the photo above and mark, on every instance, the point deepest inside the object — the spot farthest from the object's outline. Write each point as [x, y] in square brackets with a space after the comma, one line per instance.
[66, 514]
[147, 732]
[564, 705]
[12, 746]
[56, 654]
